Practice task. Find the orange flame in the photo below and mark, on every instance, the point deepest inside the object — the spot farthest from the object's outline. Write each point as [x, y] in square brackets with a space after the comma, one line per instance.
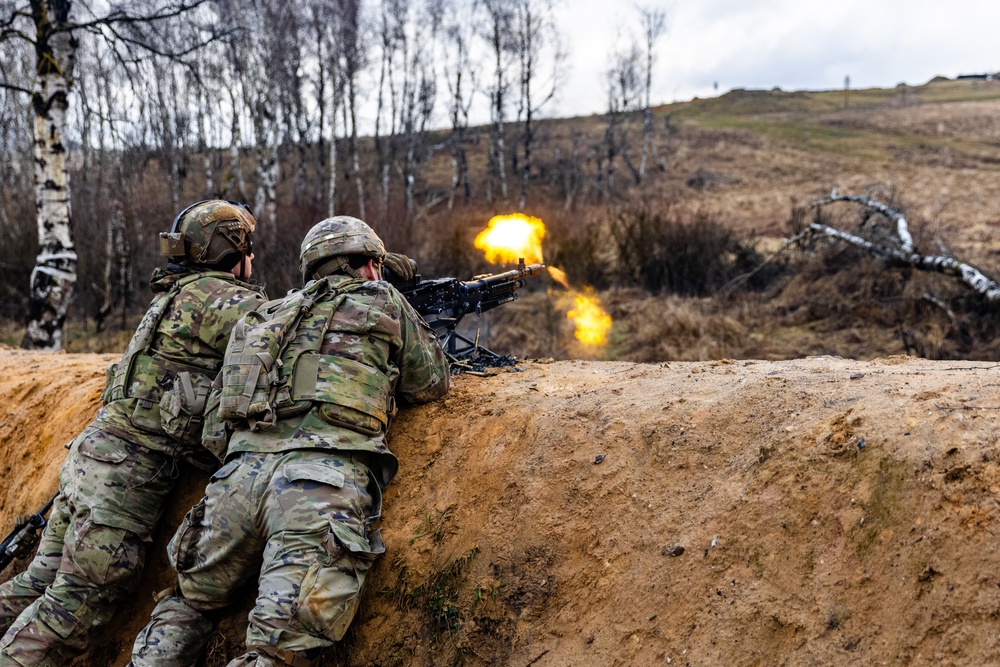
[559, 276]
[507, 238]
[592, 321]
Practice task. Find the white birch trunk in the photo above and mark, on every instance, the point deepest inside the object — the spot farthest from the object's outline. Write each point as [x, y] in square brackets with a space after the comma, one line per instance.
[236, 139]
[355, 154]
[902, 227]
[54, 276]
[332, 176]
[203, 142]
[268, 172]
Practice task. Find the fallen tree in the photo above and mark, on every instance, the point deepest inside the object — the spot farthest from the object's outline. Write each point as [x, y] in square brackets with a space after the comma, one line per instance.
[895, 244]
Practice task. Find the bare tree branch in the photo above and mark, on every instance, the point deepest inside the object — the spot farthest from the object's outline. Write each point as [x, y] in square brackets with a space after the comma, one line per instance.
[968, 274]
[17, 89]
[121, 16]
[902, 227]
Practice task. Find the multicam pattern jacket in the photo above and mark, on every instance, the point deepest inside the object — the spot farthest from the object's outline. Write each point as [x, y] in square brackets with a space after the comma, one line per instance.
[356, 348]
[156, 391]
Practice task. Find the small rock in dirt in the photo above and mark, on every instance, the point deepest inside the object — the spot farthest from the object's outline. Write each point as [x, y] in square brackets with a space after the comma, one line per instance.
[857, 376]
[673, 551]
[598, 459]
[861, 443]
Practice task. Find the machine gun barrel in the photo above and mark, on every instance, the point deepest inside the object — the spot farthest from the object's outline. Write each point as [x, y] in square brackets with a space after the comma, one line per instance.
[489, 285]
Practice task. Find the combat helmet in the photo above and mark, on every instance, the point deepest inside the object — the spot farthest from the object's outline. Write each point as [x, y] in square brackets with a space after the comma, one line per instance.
[210, 233]
[327, 245]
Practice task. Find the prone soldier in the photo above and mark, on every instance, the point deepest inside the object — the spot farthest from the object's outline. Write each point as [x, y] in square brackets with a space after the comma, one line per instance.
[309, 384]
[118, 472]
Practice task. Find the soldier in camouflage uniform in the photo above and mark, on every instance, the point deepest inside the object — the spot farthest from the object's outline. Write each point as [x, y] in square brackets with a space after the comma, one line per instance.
[301, 487]
[118, 472]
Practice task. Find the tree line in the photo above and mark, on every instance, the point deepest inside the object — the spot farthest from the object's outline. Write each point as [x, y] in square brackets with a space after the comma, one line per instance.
[114, 115]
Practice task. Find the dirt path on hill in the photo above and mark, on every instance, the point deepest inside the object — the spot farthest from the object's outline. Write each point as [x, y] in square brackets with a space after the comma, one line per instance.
[816, 511]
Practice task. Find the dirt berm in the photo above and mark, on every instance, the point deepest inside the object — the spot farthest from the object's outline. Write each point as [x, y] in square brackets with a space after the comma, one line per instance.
[811, 512]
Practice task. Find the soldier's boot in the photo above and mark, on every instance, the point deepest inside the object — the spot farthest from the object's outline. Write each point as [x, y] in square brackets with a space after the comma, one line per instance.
[272, 656]
[175, 635]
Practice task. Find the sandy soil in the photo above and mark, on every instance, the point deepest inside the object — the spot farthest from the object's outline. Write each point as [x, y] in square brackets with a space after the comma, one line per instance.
[816, 511]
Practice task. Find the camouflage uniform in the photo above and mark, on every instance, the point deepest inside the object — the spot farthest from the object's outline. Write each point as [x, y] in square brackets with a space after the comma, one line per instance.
[118, 472]
[304, 492]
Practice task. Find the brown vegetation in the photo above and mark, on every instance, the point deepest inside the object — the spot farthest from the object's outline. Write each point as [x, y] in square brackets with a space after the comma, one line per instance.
[718, 202]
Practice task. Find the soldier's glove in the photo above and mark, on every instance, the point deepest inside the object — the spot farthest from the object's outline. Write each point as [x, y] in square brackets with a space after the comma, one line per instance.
[399, 268]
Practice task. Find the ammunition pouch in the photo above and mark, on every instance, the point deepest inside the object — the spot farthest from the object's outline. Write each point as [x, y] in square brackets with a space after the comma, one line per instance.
[214, 434]
[109, 380]
[350, 394]
[182, 407]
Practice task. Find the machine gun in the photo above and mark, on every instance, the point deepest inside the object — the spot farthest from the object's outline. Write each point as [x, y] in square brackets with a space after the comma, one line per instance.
[443, 302]
[24, 537]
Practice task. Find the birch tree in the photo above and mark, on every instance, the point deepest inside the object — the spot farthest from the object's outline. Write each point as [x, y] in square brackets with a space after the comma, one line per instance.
[54, 276]
[353, 55]
[534, 35]
[496, 32]
[623, 93]
[53, 29]
[392, 32]
[894, 243]
[654, 23]
[459, 72]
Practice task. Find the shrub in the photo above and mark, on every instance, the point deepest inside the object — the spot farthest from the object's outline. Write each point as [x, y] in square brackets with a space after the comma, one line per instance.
[660, 252]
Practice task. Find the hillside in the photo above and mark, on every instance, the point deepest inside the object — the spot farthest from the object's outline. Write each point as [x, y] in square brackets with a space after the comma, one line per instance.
[937, 143]
[816, 511]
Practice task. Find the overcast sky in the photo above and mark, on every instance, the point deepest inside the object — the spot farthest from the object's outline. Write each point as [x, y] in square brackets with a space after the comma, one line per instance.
[793, 44]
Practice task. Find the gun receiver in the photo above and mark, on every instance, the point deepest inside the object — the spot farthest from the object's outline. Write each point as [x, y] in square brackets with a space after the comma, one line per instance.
[443, 302]
[24, 537]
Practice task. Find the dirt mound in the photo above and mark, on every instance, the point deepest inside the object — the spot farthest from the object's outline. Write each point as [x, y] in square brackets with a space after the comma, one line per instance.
[818, 511]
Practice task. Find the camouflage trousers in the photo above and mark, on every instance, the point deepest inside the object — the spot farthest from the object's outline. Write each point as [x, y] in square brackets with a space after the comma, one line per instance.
[111, 494]
[308, 515]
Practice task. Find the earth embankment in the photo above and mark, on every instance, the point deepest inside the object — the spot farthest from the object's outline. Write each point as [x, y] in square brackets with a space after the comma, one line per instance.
[816, 511]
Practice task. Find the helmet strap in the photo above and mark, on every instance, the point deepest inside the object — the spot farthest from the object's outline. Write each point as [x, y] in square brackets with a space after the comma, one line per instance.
[335, 265]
